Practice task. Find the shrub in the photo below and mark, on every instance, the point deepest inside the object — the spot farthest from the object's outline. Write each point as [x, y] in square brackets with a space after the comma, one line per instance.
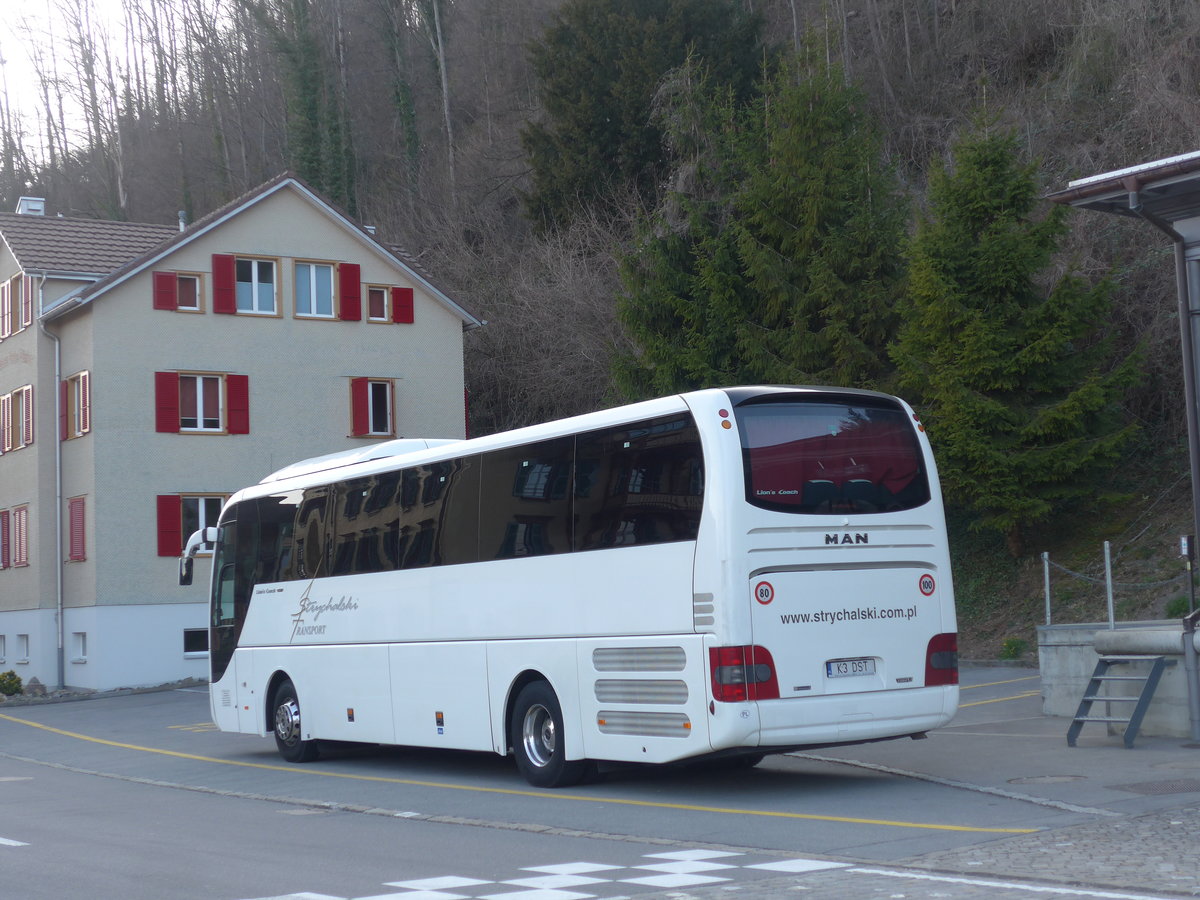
[1177, 607]
[10, 683]
[1013, 648]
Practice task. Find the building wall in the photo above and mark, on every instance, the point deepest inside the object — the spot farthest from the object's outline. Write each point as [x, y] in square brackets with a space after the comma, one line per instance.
[125, 598]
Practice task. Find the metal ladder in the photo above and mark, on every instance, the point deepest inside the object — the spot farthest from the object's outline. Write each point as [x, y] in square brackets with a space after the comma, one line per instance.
[1141, 702]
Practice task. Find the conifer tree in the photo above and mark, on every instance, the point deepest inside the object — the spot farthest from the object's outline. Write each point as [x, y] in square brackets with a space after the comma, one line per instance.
[1021, 388]
[777, 258]
[598, 66]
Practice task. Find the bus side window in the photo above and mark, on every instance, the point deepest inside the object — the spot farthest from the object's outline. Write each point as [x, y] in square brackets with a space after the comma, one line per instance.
[525, 503]
[441, 525]
[639, 484]
[366, 525]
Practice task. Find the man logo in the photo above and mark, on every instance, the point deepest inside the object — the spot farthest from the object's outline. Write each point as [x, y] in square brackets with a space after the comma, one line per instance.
[847, 539]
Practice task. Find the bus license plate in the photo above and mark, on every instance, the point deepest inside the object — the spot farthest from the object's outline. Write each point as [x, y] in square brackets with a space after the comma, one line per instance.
[842, 668]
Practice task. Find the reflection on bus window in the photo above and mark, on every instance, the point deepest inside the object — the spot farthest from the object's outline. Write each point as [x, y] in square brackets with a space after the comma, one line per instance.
[829, 457]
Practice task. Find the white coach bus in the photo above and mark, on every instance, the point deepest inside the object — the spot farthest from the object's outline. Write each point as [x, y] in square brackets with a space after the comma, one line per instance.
[725, 573]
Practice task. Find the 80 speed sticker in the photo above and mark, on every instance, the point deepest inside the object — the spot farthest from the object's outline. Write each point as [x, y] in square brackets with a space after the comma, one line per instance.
[764, 592]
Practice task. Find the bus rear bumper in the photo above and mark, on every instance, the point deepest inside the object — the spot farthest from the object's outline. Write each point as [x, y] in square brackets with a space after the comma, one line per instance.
[851, 718]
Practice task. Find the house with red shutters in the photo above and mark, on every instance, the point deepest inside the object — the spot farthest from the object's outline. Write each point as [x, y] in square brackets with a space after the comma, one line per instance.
[149, 371]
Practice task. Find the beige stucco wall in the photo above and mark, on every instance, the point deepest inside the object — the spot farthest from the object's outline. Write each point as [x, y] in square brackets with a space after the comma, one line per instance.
[299, 376]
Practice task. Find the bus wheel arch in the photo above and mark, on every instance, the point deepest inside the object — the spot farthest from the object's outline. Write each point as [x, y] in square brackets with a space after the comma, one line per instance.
[536, 733]
[285, 722]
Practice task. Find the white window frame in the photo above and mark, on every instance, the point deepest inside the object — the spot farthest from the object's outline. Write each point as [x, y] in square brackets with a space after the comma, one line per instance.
[199, 379]
[306, 279]
[387, 427]
[257, 305]
[180, 278]
[386, 318]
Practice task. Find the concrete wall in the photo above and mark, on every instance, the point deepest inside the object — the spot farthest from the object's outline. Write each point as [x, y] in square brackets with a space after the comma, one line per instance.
[1067, 656]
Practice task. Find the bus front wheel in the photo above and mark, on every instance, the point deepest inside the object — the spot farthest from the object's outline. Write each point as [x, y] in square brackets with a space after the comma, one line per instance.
[287, 727]
[538, 739]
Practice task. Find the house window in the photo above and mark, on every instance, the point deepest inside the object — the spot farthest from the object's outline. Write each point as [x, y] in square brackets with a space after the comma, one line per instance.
[195, 642]
[255, 285]
[76, 406]
[377, 304]
[22, 648]
[207, 403]
[200, 403]
[199, 512]
[182, 515]
[79, 646]
[371, 405]
[3, 641]
[177, 291]
[16, 419]
[5, 539]
[16, 305]
[77, 541]
[19, 552]
[314, 290]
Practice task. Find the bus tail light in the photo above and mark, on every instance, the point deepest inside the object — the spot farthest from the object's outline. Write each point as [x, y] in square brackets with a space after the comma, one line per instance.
[941, 660]
[742, 673]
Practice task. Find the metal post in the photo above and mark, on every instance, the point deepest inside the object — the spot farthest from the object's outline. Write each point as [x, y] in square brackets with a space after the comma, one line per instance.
[1108, 584]
[1192, 671]
[1046, 581]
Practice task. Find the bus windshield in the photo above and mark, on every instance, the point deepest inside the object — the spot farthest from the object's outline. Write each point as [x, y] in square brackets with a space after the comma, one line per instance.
[831, 455]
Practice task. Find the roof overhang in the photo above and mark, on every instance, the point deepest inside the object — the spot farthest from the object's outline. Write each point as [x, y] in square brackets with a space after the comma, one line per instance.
[1167, 190]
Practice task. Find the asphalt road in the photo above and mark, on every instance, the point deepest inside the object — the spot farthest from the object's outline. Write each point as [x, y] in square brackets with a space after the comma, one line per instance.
[137, 797]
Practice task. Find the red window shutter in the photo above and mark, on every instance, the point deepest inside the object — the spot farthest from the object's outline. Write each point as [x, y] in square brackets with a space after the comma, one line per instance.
[170, 524]
[64, 397]
[237, 404]
[26, 301]
[166, 290]
[85, 402]
[5, 553]
[360, 408]
[78, 546]
[6, 435]
[224, 286]
[402, 305]
[349, 292]
[27, 425]
[166, 402]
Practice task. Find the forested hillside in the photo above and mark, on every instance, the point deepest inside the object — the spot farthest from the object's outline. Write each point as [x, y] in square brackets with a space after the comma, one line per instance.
[551, 160]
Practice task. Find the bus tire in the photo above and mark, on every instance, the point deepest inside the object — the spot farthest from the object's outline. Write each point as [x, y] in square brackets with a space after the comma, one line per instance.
[288, 727]
[537, 737]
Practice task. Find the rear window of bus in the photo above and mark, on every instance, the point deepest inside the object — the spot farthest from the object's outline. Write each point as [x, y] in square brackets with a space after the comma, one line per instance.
[831, 456]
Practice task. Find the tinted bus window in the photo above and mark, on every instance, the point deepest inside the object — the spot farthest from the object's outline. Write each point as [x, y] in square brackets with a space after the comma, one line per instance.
[638, 484]
[439, 514]
[366, 524]
[831, 456]
[525, 503]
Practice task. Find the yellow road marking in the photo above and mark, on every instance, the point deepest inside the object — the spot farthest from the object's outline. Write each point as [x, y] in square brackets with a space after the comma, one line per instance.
[1024, 696]
[616, 801]
[971, 687]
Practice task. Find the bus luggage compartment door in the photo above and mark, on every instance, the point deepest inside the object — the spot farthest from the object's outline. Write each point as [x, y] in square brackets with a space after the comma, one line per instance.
[846, 630]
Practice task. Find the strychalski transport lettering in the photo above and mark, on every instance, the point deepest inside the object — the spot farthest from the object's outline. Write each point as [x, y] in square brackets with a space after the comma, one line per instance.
[728, 573]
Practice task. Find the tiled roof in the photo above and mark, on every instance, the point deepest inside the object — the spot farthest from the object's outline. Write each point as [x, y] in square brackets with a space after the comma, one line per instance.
[86, 246]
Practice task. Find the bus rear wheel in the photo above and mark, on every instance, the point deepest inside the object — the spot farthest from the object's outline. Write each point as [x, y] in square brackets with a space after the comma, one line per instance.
[288, 727]
[538, 739]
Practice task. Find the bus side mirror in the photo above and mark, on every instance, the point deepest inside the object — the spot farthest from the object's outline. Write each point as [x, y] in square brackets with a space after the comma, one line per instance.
[185, 570]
